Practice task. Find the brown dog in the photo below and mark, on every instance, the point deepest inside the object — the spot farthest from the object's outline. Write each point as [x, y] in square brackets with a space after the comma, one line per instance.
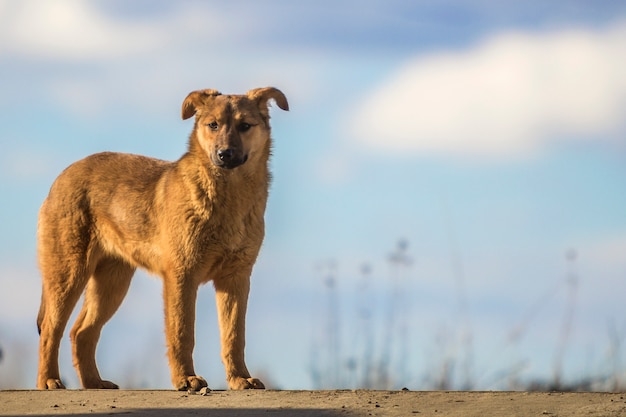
[190, 221]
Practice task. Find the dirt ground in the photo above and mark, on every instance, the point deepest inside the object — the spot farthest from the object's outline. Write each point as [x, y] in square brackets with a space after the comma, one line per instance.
[310, 403]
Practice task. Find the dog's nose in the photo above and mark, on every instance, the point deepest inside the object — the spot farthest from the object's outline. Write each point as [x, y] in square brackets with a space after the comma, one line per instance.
[225, 155]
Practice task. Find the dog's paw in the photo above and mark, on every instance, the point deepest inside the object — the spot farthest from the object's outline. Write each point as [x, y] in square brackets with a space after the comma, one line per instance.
[108, 385]
[102, 385]
[190, 383]
[54, 384]
[97, 383]
[238, 383]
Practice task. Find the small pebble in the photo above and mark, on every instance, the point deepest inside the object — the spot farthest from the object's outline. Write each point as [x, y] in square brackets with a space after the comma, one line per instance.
[204, 391]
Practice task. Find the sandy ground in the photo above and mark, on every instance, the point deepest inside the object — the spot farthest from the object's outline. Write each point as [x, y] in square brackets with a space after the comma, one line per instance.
[309, 403]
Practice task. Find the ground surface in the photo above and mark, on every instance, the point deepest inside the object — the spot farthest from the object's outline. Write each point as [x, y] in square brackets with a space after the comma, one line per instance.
[310, 403]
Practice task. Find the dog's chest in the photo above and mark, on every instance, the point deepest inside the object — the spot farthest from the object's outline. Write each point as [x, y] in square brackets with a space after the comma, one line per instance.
[221, 222]
[223, 244]
[228, 228]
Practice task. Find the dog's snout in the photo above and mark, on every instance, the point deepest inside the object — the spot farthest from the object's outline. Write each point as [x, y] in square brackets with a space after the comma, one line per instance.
[225, 155]
[228, 158]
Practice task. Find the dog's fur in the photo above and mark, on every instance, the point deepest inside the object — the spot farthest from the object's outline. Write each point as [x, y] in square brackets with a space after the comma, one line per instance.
[190, 221]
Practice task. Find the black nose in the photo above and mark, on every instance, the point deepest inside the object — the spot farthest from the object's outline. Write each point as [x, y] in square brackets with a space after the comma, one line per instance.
[225, 155]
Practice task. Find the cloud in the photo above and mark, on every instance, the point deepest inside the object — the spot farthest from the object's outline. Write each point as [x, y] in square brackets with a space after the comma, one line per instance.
[505, 96]
[77, 31]
[69, 29]
[86, 58]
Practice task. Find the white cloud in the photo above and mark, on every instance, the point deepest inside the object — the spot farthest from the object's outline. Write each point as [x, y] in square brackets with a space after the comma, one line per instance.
[74, 30]
[505, 96]
[89, 60]
[69, 29]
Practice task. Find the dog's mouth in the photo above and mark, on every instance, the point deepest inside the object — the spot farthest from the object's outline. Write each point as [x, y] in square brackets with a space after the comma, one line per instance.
[228, 159]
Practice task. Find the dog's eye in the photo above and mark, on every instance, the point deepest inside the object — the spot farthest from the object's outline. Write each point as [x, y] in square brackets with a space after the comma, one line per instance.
[213, 125]
[244, 127]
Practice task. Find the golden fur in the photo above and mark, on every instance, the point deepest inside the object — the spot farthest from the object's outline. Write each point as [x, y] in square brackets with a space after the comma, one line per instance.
[195, 220]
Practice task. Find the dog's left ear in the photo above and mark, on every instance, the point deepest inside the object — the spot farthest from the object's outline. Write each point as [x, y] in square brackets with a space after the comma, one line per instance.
[196, 99]
[262, 95]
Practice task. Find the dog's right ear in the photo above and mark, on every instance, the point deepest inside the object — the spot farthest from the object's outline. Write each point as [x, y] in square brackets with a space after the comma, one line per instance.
[196, 99]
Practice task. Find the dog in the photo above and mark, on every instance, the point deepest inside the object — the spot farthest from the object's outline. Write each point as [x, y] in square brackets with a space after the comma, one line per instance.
[198, 219]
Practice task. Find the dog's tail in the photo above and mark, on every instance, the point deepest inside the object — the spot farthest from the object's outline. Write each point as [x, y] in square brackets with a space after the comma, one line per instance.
[41, 314]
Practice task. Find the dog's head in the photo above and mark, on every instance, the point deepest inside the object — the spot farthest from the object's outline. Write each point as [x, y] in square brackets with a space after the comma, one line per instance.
[231, 129]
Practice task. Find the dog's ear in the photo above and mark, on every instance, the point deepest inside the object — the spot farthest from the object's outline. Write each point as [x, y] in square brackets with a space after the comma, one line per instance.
[196, 99]
[262, 95]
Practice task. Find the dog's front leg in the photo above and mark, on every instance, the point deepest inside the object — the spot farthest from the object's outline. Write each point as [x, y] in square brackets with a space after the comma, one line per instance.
[232, 299]
[180, 308]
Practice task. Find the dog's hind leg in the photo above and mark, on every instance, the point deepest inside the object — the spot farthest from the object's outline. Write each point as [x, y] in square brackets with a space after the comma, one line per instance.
[105, 292]
[61, 291]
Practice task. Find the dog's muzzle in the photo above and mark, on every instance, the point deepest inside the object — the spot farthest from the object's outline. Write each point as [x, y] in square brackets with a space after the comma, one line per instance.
[228, 158]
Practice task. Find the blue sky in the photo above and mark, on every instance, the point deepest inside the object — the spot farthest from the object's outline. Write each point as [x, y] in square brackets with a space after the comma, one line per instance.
[488, 135]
